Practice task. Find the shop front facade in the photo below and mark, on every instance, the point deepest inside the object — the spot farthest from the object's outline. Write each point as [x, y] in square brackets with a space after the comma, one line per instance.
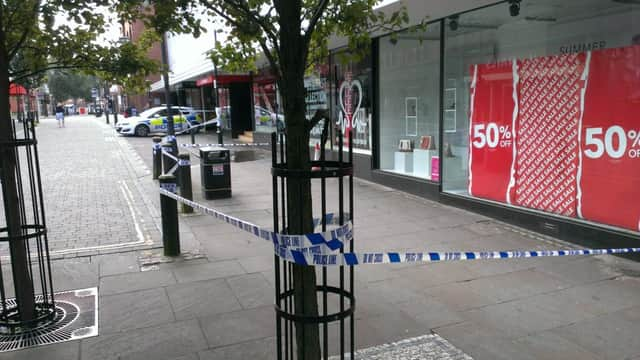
[525, 110]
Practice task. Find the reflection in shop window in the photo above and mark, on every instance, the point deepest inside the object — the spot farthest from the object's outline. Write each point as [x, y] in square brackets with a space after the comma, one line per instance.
[409, 101]
[546, 121]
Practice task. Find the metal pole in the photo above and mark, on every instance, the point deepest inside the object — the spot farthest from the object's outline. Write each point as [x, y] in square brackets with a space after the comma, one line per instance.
[217, 96]
[157, 157]
[115, 110]
[167, 90]
[106, 98]
[169, 214]
[184, 173]
[204, 115]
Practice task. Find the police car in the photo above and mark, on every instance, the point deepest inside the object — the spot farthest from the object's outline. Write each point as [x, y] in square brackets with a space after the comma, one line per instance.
[154, 120]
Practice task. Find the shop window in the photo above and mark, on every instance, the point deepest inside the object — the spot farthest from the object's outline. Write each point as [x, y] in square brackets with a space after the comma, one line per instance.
[351, 100]
[409, 101]
[546, 106]
[316, 85]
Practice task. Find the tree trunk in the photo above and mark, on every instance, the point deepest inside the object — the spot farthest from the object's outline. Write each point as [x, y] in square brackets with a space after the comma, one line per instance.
[8, 155]
[292, 58]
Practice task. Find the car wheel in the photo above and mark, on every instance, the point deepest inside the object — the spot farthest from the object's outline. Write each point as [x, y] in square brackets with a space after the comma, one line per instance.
[142, 131]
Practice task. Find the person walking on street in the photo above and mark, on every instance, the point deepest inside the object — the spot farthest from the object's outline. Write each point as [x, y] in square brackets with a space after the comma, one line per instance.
[60, 115]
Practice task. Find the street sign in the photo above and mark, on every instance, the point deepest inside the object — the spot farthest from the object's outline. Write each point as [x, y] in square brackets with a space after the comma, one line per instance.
[94, 93]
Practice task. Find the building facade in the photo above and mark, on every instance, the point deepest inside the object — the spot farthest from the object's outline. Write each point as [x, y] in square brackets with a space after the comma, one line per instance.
[522, 110]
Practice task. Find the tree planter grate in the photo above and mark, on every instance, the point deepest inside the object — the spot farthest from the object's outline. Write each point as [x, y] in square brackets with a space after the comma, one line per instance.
[76, 317]
[334, 321]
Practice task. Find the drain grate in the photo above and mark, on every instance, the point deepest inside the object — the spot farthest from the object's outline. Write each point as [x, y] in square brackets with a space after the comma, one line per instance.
[76, 318]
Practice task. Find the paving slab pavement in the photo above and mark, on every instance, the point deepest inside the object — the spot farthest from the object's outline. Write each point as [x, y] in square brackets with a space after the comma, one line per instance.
[217, 304]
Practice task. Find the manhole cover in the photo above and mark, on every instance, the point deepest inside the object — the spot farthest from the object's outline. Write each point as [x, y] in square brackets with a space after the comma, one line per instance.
[76, 318]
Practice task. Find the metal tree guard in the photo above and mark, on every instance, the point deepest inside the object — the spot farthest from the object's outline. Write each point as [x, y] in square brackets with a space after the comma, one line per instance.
[25, 233]
[343, 314]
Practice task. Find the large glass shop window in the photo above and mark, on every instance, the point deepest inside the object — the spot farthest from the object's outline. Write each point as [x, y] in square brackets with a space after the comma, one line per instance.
[541, 109]
[409, 91]
[351, 97]
[316, 85]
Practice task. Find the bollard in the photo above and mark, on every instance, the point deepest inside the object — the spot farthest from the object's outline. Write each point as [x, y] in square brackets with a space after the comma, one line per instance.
[184, 173]
[157, 157]
[220, 141]
[169, 212]
[192, 132]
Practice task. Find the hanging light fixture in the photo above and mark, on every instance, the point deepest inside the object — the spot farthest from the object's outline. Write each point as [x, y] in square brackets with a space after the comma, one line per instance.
[514, 7]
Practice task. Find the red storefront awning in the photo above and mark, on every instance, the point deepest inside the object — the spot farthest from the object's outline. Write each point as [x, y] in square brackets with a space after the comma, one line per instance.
[16, 90]
[223, 79]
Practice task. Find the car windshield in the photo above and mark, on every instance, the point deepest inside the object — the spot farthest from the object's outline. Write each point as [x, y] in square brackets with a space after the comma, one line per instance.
[148, 112]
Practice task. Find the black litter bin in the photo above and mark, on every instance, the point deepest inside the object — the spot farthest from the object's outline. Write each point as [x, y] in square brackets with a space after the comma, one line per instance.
[215, 172]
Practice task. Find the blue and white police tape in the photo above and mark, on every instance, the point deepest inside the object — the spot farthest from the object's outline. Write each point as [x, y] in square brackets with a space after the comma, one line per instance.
[319, 243]
[309, 250]
[169, 155]
[225, 145]
[156, 147]
[307, 257]
[186, 131]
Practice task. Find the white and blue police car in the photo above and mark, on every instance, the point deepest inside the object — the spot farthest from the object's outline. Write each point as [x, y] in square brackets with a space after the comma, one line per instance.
[154, 120]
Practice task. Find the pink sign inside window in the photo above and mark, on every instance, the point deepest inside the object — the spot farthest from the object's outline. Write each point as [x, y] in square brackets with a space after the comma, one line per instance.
[435, 168]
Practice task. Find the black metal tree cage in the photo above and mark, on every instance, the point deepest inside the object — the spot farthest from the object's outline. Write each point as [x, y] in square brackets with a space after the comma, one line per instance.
[336, 302]
[26, 286]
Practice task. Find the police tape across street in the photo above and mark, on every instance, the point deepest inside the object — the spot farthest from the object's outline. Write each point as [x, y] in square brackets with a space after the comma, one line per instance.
[322, 249]
[225, 145]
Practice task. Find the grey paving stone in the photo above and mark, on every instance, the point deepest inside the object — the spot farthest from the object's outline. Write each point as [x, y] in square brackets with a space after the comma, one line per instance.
[610, 336]
[581, 271]
[547, 345]
[192, 356]
[263, 349]
[202, 298]
[526, 316]
[71, 275]
[212, 270]
[482, 343]
[135, 281]
[240, 326]
[62, 351]
[166, 341]
[514, 285]
[259, 263]
[134, 310]
[252, 290]
[394, 326]
[429, 312]
[114, 264]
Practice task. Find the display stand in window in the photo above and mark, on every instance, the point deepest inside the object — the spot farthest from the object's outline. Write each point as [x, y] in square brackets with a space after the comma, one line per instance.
[422, 157]
[450, 106]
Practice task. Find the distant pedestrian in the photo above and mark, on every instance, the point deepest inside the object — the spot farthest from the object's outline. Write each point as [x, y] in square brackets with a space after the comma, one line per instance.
[60, 115]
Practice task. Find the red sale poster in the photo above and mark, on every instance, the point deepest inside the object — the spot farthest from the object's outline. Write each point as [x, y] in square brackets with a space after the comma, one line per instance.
[549, 91]
[609, 181]
[491, 131]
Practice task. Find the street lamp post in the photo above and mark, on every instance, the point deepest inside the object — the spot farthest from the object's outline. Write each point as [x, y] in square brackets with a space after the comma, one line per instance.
[215, 89]
[171, 133]
[115, 91]
[106, 101]
[167, 90]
